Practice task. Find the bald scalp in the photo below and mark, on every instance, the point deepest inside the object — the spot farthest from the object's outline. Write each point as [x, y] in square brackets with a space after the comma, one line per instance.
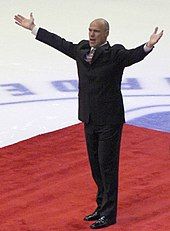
[102, 21]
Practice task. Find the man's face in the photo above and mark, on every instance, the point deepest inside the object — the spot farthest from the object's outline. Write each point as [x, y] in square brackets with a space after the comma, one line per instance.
[97, 33]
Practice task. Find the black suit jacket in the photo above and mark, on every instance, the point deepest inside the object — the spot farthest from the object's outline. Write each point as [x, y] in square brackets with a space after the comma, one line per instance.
[99, 82]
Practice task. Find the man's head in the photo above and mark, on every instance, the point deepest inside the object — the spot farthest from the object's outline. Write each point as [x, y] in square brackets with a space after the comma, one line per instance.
[98, 32]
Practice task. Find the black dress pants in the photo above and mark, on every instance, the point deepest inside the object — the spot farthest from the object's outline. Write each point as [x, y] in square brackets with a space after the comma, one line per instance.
[103, 146]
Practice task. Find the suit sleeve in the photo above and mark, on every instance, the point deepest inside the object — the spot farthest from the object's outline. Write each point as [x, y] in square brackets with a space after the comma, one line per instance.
[55, 41]
[127, 57]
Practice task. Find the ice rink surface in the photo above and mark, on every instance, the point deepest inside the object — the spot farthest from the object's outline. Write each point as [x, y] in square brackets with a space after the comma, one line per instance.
[38, 85]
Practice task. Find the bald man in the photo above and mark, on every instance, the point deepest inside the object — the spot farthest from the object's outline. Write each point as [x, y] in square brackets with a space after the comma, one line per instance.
[100, 69]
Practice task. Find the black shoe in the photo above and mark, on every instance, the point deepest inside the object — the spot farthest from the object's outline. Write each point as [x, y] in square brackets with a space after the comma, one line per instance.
[102, 222]
[92, 217]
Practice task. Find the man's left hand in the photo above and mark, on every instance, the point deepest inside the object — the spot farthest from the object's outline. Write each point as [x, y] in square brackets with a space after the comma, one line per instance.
[154, 38]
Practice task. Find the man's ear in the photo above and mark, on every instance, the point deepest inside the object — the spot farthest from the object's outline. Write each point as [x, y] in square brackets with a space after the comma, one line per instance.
[107, 32]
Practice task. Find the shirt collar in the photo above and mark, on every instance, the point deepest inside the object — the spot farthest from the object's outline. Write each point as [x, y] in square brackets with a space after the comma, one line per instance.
[93, 48]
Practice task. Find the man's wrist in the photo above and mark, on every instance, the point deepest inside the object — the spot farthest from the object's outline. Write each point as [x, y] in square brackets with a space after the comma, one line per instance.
[35, 30]
[32, 27]
[149, 45]
[147, 49]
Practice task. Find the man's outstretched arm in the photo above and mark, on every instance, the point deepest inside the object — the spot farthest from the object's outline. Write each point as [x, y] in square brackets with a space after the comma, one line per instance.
[51, 39]
[127, 57]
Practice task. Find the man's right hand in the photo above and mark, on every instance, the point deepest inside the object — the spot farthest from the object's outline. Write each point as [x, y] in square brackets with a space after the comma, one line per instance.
[24, 22]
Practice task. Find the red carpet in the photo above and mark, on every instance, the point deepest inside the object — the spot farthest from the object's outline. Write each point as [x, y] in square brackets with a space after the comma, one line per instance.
[46, 183]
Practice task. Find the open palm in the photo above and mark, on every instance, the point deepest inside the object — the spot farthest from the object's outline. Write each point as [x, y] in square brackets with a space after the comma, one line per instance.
[27, 23]
[154, 38]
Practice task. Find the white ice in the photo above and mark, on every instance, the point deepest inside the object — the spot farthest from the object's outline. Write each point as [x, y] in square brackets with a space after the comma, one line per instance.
[25, 61]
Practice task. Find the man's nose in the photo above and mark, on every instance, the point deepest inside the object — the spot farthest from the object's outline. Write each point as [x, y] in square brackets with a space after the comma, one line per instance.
[92, 34]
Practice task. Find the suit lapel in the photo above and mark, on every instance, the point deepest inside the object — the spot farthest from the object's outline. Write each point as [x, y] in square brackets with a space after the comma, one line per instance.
[83, 53]
[85, 49]
[99, 51]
